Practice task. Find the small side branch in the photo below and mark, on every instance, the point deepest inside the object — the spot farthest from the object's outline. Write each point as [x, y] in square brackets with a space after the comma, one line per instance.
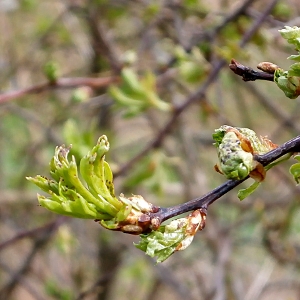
[203, 202]
[60, 83]
[248, 74]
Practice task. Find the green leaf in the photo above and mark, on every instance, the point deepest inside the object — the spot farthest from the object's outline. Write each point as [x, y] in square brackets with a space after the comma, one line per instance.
[294, 57]
[290, 33]
[234, 162]
[218, 136]
[69, 195]
[290, 85]
[294, 70]
[161, 243]
[297, 157]
[176, 236]
[295, 172]
[244, 193]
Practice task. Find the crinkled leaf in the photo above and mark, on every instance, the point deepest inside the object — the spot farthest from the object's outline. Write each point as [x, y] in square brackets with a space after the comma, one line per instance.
[69, 195]
[164, 242]
[290, 33]
[160, 244]
[290, 85]
[218, 136]
[294, 70]
[289, 81]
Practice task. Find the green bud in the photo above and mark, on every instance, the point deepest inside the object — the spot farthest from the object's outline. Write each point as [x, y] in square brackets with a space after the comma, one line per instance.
[81, 94]
[51, 71]
[235, 163]
[129, 57]
[236, 147]
[290, 85]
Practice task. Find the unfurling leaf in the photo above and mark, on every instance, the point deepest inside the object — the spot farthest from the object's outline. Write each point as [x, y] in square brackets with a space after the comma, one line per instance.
[89, 193]
[289, 81]
[176, 236]
[136, 95]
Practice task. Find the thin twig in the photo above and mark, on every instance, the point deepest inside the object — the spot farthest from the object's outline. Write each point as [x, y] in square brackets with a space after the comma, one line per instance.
[248, 74]
[61, 83]
[257, 23]
[103, 46]
[209, 35]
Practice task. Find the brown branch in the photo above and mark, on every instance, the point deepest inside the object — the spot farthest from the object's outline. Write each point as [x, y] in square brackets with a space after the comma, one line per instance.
[61, 83]
[257, 23]
[203, 202]
[248, 74]
[102, 44]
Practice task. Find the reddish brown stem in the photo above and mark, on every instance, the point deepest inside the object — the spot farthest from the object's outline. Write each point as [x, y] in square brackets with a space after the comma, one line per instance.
[163, 214]
[61, 83]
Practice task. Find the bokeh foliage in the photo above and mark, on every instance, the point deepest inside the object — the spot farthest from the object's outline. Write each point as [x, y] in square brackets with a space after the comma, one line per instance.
[170, 47]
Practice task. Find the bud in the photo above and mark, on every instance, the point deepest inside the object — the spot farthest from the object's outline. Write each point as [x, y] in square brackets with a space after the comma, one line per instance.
[267, 67]
[51, 71]
[236, 150]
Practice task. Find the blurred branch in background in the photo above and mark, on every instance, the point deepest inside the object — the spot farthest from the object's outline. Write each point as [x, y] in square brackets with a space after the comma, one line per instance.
[60, 83]
[167, 156]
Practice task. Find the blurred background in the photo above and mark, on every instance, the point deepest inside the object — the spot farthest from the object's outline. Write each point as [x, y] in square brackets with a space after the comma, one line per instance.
[62, 81]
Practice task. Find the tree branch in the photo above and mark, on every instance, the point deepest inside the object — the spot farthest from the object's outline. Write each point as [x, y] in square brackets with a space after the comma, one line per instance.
[203, 202]
[60, 83]
[209, 35]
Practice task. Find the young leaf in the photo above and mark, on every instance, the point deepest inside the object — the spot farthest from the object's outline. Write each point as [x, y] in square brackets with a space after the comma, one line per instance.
[91, 197]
